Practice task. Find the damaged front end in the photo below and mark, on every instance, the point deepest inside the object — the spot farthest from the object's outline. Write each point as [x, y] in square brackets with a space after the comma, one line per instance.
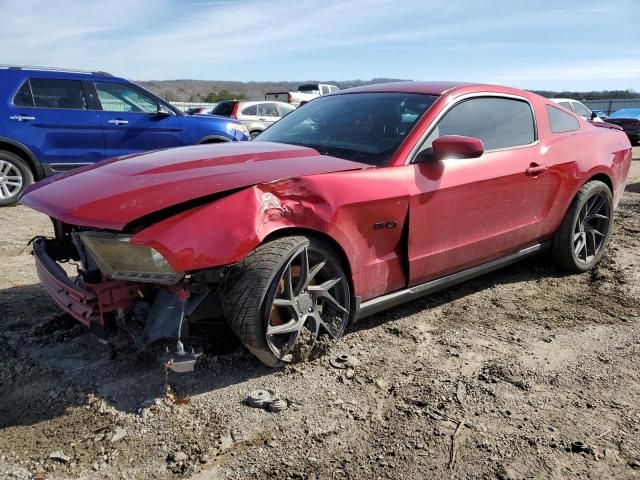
[120, 285]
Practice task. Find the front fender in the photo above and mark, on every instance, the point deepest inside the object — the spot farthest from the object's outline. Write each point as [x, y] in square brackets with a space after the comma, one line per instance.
[225, 231]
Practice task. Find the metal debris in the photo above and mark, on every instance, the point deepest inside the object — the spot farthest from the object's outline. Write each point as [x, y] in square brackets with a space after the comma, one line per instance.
[267, 400]
[344, 360]
[59, 456]
[259, 399]
[278, 405]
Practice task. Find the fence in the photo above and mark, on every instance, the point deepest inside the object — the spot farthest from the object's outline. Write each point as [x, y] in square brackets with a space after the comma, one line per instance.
[184, 105]
[610, 106]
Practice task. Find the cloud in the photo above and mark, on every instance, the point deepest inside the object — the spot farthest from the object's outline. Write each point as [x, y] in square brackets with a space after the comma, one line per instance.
[298, 39]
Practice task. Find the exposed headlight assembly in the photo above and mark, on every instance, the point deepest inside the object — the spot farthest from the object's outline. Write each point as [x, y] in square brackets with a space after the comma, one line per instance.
[120, 260]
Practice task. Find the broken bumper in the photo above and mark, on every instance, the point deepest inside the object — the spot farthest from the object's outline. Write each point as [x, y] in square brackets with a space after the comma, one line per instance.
[87, 303]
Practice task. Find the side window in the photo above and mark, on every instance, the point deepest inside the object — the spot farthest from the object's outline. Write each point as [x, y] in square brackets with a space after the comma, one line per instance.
[498, 122]
[23, 97]
[223, 109]
[252, 110]
[116, 97]
[560, 121]
[268, 110]
[324, 90]
[53, 93]
[333, 89]
[581, 110]
[566, 105]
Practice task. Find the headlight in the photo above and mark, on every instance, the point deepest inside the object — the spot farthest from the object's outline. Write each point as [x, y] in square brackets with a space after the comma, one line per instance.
[240, 128]
[120, 260]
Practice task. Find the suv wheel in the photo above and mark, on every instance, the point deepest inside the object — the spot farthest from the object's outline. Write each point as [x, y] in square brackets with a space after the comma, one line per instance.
[584, 233]
[15, 176]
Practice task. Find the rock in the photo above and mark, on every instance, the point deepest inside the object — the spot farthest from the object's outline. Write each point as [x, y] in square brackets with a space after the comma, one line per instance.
[461, 392]
[59, 456]
[118, 435]
[177, 456]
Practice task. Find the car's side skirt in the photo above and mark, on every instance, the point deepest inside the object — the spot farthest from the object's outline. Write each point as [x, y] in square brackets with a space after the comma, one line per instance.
[393, 299]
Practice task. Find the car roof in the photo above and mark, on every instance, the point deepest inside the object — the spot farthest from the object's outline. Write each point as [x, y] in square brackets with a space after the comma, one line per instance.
[54, 69]
[564, 100]
[436, 88]
[432, 88]
[635, 112]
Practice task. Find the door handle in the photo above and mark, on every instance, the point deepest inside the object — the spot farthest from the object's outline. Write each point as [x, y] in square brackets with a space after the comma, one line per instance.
[117, 121]
[262, 119]
[535, 169]
[22, 118]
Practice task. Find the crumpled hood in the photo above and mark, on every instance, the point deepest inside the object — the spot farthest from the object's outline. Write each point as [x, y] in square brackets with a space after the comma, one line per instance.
[115, 192]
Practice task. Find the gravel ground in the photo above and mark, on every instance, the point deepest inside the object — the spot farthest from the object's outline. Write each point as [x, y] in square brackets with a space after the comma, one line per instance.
[523, 373]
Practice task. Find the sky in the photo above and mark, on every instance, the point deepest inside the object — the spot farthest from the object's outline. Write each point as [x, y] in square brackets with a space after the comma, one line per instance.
[534, 44]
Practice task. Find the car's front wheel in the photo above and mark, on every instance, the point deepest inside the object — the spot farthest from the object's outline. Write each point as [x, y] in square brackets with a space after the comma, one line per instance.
[584, 233]
[284, 294]
[15, 176]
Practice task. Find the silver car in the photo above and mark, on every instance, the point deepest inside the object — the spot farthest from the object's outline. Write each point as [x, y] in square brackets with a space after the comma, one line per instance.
[256, 116]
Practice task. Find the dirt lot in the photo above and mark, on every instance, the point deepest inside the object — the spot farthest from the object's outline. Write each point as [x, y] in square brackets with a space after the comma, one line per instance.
[496, 378]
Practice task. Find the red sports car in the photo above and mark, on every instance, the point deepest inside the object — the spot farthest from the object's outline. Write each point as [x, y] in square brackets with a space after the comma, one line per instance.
[353, 203]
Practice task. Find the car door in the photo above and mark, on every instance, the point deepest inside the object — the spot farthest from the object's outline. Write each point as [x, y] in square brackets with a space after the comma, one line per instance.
[466, 212]
[51, 116]
[268, 113]
[131, 121]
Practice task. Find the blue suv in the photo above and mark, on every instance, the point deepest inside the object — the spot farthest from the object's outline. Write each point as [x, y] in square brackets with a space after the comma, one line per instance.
[53, 120]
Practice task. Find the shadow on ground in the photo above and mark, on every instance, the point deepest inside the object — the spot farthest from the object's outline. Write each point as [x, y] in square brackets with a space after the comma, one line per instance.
[51, 362]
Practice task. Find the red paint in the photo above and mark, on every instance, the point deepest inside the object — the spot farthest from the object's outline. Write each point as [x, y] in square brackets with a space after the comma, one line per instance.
[458, 212]
[457, 146]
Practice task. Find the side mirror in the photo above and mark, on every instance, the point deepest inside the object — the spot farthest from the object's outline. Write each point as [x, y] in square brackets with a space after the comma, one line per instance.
[163, 111]
[452, 146]
[594, 115]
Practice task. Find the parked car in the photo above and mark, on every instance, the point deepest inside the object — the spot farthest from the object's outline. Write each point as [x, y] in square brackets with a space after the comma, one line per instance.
[629, 120]
[305, 92]
[600, 114]
[200, 110]
[256, 116]
[350, 205]
[577, 107]
[53, 120]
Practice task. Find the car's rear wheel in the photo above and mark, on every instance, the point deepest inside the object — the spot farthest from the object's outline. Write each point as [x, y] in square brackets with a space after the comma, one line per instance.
[254, 133]
[285, 294]
[584, 233]
[15, 176]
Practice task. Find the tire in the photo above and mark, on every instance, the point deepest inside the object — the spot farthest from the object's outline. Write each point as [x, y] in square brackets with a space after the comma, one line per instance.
[15, 176]
[580, 242]
[255, 284]
[254, 133]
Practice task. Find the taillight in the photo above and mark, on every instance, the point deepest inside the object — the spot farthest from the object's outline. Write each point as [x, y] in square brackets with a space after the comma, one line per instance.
[289, 98]
[234, 112]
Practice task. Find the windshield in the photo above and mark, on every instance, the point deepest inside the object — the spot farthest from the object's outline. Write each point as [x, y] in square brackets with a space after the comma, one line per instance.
[363, 127]
[310, 87]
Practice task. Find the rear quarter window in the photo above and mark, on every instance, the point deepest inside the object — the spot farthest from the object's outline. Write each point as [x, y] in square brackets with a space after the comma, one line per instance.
[252, 110]
[560, 121]
[51, 93]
